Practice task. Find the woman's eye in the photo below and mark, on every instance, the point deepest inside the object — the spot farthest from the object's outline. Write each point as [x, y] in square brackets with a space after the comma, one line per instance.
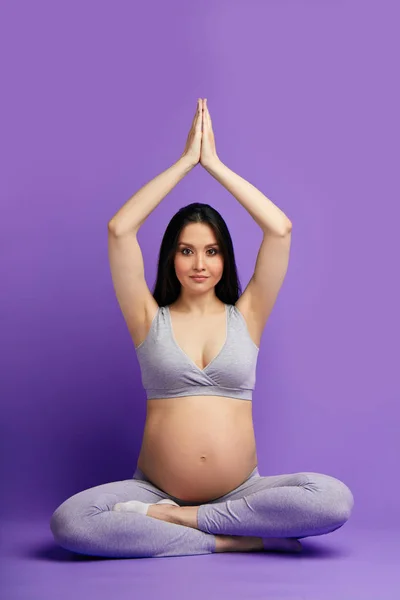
[214, 250]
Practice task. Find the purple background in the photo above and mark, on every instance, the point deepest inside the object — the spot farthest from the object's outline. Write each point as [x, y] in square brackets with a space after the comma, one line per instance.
[97, 99]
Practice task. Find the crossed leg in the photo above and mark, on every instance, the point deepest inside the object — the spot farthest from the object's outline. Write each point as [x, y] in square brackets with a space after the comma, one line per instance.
[289, 506]
[294, 505]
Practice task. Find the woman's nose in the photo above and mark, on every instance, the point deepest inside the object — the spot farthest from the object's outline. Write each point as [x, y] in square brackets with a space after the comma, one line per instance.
[199, 261]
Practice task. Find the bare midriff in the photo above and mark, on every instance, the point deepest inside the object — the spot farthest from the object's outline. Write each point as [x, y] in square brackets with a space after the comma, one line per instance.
[198, 448]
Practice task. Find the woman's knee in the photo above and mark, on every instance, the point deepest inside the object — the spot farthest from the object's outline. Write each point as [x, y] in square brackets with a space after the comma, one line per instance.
[76, 528]
[72, 518]
[337, 497]
[63, 524]
[82, 506]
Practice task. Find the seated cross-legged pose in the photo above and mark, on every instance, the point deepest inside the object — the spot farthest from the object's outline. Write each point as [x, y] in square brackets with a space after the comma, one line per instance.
[196, 488]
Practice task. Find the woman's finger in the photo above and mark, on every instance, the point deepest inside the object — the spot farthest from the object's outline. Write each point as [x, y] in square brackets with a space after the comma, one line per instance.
[208, 116]
[198, 118]
[196, 115]
[204, 114]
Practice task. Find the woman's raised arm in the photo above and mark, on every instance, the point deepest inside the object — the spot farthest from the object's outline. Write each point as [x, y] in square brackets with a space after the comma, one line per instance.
[135, 211]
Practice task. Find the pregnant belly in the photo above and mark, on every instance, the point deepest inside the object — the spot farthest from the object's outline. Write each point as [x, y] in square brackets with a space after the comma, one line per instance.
[198, 448]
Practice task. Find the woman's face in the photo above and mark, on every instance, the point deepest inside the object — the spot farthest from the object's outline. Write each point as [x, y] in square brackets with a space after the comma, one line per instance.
[198, 253]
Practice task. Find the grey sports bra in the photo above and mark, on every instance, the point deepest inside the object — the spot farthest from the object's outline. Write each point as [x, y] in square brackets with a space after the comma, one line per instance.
[167, 371]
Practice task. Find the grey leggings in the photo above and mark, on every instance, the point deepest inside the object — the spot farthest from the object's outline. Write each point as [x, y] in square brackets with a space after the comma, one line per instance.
[295, 505]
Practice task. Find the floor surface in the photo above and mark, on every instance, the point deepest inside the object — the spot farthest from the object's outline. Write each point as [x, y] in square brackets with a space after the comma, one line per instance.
[350, 563]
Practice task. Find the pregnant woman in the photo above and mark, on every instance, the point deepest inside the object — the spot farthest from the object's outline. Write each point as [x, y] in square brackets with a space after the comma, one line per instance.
[196, 488]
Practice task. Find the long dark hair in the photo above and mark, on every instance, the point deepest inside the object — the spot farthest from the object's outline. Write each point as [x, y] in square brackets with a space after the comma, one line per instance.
[167, 287]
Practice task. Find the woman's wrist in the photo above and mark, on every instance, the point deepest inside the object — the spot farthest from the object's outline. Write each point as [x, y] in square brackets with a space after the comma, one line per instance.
[186, 162]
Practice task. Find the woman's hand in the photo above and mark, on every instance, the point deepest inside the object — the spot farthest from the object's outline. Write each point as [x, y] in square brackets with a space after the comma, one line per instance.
[208, 153]
[193, 142]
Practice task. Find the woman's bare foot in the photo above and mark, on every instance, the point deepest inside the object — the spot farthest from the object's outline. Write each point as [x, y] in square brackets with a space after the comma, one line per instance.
[164, 512]
[282, 544]
[238, 543]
